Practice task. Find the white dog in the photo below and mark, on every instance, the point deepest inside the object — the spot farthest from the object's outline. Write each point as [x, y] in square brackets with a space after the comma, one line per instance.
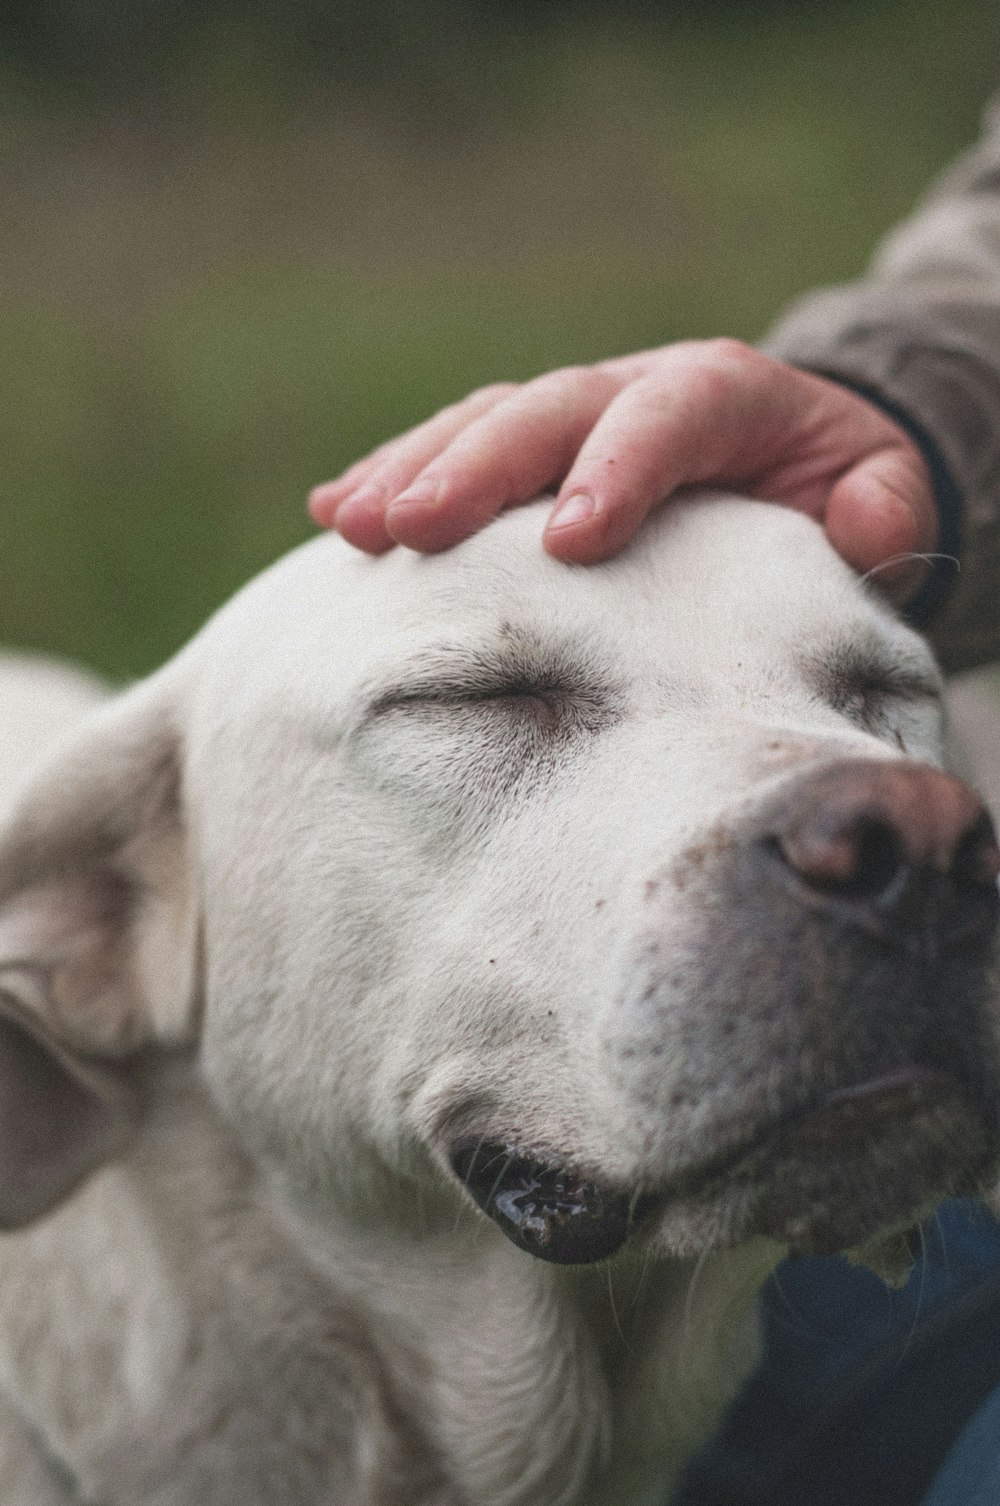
[434, 1002]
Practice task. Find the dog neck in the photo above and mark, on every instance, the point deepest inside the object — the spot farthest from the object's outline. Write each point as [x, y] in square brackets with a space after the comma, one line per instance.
[172, 1334]
[547, 1384]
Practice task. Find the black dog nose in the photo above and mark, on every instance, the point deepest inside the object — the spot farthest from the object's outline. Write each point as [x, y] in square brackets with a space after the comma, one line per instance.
[886, 841]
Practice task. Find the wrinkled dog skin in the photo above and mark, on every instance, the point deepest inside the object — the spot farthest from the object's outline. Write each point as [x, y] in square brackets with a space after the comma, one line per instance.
[434, 1002]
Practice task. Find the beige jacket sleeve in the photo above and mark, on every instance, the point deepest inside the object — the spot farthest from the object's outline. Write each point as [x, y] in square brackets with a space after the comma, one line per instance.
[922, 333]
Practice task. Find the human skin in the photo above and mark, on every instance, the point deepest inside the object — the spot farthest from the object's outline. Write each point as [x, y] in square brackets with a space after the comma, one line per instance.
[620, 437]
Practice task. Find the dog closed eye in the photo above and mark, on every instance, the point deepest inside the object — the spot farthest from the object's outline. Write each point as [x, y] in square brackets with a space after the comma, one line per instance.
[557, 693]
[869, 688]
[522, 713]
[515, 699]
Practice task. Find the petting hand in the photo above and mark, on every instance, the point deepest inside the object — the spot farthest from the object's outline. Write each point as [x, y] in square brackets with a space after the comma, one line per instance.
[623, 435]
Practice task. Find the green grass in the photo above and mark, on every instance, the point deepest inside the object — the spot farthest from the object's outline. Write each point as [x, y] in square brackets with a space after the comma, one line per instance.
[200, 319]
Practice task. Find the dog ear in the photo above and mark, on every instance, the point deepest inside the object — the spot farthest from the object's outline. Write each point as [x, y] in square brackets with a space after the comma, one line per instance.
[98, 945]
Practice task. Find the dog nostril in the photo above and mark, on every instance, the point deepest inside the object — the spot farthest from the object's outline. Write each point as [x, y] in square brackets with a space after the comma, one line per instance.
[905, 849]
[977, 858]
[863, 859]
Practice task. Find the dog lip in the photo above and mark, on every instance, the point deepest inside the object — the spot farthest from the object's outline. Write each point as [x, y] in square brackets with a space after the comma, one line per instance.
[544, 1206]
[840, 1118]
[558, 1214]
[855, 1110]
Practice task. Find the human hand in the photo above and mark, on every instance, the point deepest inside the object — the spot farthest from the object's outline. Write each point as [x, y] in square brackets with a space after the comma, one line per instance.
[623, 435]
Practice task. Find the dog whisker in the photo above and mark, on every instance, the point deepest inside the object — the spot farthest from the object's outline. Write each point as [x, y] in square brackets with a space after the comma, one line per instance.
[640, 910]
[462, 1209]
[647, 1261]
[634, 1202]
[614, 1312]
[796, 1319]
[687, 1320]
[901, 559]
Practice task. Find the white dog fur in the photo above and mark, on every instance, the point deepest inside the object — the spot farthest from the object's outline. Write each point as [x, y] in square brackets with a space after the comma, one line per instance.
[394, 853]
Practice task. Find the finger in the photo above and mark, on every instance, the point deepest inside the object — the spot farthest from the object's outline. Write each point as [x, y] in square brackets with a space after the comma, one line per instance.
[693, 418]
[714, 411]
[324, 498]
[508, 456]
[881, 514]
[394, 464]
[361, 521]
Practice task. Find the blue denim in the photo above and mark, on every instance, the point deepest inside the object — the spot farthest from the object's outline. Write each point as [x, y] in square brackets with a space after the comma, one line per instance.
[822, 1319]
[971, 1475]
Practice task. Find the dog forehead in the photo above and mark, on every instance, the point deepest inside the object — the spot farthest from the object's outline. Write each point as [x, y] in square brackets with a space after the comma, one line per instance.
[710, 587]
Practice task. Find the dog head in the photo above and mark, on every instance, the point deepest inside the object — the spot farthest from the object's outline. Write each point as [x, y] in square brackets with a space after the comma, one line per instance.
[627, 902]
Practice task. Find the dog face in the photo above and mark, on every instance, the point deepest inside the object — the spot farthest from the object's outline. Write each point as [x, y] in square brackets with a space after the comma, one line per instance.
[626, 902]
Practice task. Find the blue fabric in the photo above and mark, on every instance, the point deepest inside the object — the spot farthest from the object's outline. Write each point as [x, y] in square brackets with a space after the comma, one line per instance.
[971, 1475]
[822, 1318]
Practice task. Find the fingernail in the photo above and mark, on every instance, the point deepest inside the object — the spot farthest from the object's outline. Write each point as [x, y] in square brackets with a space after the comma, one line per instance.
[423, 493]
[364, 500]
[574, 509]
[322, 501]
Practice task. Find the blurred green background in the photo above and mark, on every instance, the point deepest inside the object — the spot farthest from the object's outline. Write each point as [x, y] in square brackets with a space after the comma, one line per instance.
[241, 243]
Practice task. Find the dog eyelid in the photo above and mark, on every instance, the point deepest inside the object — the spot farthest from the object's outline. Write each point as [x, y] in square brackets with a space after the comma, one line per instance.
[543, 699]
[855, 680]
[487, 682]
[894, 685]
[547, 705]
[518, 669]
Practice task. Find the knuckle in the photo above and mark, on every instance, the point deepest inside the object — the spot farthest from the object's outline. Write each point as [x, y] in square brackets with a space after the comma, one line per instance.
[696, 388]
[725, 369]
[493, 392]
[565, 379]
[717, 360]
[713, 382]
[730, 352]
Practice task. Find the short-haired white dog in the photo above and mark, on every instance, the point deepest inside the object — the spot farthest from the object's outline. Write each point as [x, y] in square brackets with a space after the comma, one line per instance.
[433, 1003]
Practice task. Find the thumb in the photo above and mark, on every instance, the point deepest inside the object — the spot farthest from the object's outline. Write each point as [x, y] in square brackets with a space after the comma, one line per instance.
[881, 514]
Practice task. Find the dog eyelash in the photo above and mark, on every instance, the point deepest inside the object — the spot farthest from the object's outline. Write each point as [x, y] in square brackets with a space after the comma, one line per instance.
[877, 692]
[539, 710]
[533, 688]
[867, 694]
[468, 695]
[545, 711]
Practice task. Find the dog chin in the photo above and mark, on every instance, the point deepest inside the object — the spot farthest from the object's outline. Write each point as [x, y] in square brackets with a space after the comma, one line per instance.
[821, 1199]
[860, 1164]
